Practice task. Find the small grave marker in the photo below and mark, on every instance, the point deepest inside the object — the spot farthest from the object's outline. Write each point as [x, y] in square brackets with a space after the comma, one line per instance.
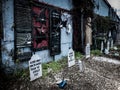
[111, 43]
[101, 46]
[35, 67]
[108, 46]
[81, 65]
[71, 58]
[87, 50]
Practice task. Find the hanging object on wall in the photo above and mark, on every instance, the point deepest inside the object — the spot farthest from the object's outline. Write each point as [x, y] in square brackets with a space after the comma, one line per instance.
[55, 33]
[69, 28]
[66, 22]
[40, 22]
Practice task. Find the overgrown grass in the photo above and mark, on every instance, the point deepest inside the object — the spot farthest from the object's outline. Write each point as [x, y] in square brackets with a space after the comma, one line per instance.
[21, 73]
[96, 52]
[53, 66]
[78, 55]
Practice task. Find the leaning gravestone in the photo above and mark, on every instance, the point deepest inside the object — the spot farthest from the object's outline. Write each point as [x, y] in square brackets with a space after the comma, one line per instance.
[35, 67]
[87, 50]
[71, 58]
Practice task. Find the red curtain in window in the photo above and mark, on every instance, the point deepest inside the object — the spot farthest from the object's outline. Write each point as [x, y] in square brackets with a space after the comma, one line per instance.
[40, 19]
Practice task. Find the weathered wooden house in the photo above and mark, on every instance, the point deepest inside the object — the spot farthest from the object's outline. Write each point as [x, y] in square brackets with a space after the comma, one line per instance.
[42, 27]
[107, 22]
[48, 28]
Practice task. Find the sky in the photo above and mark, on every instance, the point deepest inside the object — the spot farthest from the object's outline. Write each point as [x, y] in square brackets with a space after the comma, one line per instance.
[116, 5]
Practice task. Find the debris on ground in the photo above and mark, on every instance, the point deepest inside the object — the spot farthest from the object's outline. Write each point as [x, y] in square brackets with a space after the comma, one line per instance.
[98, 74]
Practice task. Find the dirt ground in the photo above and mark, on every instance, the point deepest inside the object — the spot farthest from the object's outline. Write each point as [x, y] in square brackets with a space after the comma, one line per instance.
[96, 75]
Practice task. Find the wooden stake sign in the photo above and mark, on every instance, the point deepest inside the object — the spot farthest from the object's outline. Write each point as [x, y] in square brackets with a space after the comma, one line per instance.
[35, 67]
[71, 58]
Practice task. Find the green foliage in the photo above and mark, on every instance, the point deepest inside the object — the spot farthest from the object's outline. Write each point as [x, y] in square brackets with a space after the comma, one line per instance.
[102, 24]
[96, 52]
[21, 73]
[78, 55]
[55, 66]
[118, 47]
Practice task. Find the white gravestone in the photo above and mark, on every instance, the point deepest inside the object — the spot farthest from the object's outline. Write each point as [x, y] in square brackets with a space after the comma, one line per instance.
[81, 65]
[101, 46]
[35, 67]
[108, 46]
[71, 58]
[111, 43]
[87, 50]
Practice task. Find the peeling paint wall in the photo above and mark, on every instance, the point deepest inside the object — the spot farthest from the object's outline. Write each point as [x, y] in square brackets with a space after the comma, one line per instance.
[8, 37]
[8, 40]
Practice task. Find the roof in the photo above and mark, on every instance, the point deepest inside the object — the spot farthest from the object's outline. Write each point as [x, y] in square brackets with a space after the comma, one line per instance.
[106, 1]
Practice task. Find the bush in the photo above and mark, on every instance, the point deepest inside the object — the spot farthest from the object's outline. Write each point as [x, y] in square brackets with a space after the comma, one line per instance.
[78, 55]
[96, 52]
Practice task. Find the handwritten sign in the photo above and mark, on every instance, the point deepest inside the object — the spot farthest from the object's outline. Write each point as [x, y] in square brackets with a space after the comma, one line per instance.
[87, 50]
[35, 67]
[71, 58]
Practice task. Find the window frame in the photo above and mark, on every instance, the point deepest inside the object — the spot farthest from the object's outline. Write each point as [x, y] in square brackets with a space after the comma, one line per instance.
[40, 6]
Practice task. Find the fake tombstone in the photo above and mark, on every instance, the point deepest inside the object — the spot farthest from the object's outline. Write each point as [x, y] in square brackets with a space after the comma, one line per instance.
[71, 58]
[35, 67]
[81, 65]
[102, 47]
[111, 43]
[87, 50]
[108, 45]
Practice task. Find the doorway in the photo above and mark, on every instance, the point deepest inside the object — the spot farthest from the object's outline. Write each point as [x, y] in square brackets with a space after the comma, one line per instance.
[78, 33]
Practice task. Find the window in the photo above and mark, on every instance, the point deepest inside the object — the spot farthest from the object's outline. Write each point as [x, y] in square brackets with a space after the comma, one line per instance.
[37, 27]
[40, 24]
[46, 28]
[22, 23]
[55, 33]
[23, 30]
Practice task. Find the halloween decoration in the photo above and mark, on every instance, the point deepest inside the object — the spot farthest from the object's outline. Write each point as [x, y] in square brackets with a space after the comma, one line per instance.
[55, 33]
[40, 19]
[62, 84]
[66, 22]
